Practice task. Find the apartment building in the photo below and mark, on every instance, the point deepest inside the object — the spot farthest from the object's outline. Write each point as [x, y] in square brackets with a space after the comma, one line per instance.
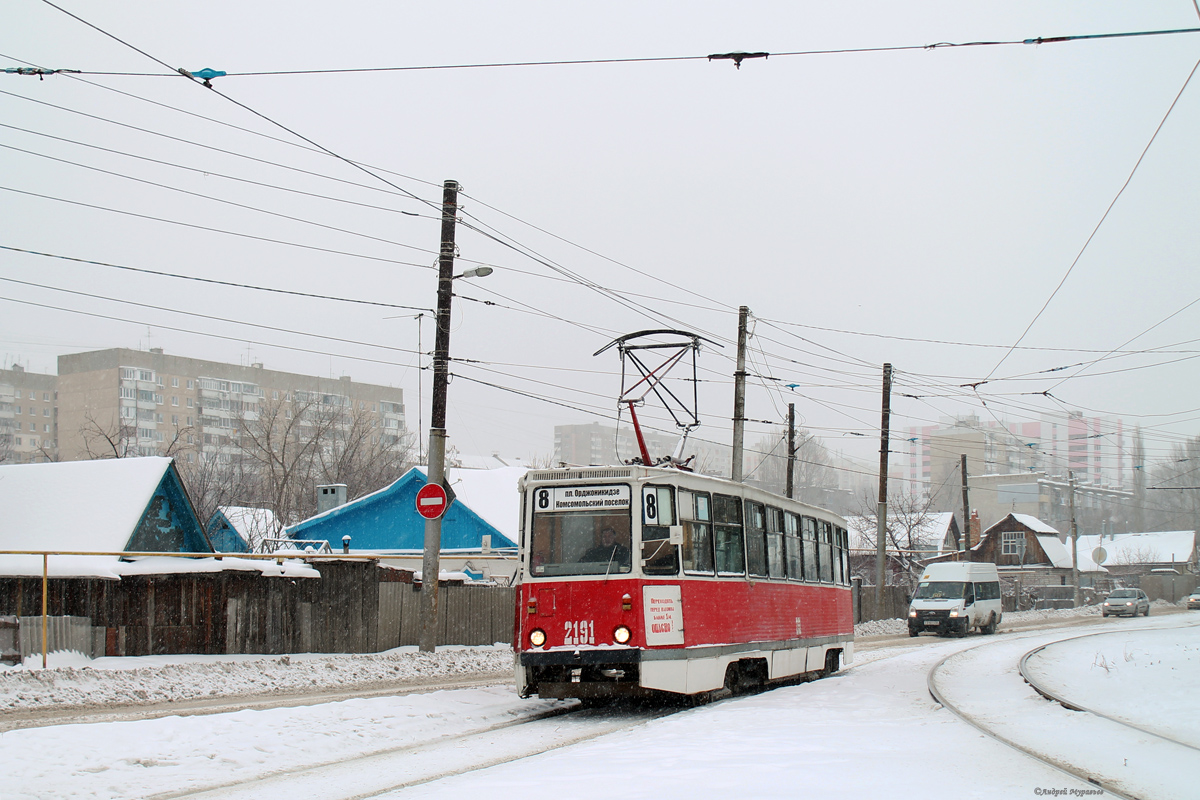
[1096, 449]
[28, 415]
[133, 402]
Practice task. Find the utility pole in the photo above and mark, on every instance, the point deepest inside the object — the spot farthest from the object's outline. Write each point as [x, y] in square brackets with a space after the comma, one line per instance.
[1074, 545]
[739, 397]
[881, 508]
[966, 507]
[437, 418]
[791, 460]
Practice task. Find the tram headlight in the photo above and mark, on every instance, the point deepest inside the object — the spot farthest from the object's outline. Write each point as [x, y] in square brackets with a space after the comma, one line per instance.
[621, 634]
[537, 637]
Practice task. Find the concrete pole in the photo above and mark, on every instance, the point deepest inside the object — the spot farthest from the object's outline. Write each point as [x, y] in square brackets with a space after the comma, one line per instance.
[739, 398]
[881, 508]
[431, 557]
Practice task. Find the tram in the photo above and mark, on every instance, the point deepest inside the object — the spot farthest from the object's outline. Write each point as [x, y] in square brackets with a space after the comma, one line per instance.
[642, 581]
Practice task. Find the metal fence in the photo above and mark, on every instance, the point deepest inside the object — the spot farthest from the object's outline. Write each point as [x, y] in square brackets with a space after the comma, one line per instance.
[62, 633]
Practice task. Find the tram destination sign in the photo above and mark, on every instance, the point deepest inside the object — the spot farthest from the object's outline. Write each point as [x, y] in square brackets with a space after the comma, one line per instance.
[581, 498]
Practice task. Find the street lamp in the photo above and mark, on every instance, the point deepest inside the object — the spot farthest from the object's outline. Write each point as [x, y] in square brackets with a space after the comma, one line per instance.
[437, 418]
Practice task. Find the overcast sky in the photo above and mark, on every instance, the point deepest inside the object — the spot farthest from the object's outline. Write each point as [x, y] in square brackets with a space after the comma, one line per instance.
[917, 206]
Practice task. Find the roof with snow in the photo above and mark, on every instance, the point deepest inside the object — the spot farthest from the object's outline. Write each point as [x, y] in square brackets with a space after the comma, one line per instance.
[487, 503]
[106, 506]
[1033, 523]
[1162, 547]
[1060, 554]
[234, 529]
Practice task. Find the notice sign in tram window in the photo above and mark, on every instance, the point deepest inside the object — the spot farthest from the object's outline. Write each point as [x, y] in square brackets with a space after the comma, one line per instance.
[580, 498]
[664, 615]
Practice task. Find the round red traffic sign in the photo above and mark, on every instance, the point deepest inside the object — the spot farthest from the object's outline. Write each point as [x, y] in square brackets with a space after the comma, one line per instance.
[431, 501]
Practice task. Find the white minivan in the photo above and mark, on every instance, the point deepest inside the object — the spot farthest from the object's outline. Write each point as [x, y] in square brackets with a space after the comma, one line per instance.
[953, 597]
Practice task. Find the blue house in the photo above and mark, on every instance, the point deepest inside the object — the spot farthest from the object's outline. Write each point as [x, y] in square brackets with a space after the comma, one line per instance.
[487, 505]
[239, 529]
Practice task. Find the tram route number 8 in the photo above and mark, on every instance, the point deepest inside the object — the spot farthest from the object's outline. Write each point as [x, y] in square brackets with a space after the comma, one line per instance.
[657, 508]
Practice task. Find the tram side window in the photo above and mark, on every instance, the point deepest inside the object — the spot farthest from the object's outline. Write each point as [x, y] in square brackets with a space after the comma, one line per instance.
[844, 539]
[696, 516]
[727, 519]
[837, 555]
[793, 546]
[826, 550]
[775, 543]
[809, 529]
[756, 543]
[659, 556]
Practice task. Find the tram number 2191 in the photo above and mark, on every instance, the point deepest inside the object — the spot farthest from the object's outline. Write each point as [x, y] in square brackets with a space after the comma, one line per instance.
[580, 632]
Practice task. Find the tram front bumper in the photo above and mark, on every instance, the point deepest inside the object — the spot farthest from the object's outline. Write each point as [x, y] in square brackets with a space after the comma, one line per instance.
[582, 673]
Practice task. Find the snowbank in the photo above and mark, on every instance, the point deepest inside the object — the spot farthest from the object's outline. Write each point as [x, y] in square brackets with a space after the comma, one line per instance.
[130, 681]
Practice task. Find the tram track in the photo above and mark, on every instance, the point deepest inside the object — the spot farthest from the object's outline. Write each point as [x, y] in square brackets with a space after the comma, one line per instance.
[392, 769]
[1062, 700]
[1148, 750]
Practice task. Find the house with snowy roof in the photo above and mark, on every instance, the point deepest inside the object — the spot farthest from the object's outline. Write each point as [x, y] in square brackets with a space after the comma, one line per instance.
[1026, 549]
[110, 506]
[1141, 553]
[479, 530]
[240, 529]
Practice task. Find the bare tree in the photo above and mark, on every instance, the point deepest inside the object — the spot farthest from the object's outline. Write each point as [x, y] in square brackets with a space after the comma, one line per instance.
[359, 454]
[114, 438]
[813, 474]
[909, 534]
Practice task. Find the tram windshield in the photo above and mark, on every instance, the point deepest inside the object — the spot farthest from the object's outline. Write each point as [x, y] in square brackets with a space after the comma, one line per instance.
[580, 530]
[941, 590]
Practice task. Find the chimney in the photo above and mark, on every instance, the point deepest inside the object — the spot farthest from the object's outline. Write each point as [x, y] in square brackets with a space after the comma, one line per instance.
[974, 532]
[158, 351]
[330, 496]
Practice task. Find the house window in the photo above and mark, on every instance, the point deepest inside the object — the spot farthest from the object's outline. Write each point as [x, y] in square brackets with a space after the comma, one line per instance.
[189, 402]
[191, 384]
[174, 383]
[1011, 542]
[174, 401]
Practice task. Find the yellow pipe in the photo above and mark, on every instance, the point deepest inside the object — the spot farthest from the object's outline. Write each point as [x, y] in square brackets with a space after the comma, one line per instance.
[45, 583]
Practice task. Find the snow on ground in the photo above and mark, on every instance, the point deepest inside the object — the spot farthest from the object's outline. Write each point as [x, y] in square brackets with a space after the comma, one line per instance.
[155, 679]
[871, 730]
[1135, 676]
[75, 680]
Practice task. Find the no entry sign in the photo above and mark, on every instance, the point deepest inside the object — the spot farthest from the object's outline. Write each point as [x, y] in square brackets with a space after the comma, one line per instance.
[431, 501]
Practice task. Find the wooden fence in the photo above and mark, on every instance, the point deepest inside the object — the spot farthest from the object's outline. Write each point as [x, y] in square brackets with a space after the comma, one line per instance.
[354, 607]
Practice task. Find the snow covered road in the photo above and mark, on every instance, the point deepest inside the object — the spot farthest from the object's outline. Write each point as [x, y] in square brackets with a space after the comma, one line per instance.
[872, 730]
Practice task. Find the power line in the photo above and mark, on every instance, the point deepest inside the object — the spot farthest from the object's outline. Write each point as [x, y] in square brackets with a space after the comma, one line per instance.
[1103, 217]
[205, 316]
[217, 282]
[216, 230]
[737, 57]
[222, 200]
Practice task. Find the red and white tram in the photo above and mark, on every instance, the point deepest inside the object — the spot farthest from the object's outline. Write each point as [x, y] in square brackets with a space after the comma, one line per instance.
[637, 581]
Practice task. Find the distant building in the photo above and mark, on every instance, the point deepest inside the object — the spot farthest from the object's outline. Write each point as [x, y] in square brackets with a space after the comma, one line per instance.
[595, 444]
[28, 415]
[121, 402]
[1096, 449]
